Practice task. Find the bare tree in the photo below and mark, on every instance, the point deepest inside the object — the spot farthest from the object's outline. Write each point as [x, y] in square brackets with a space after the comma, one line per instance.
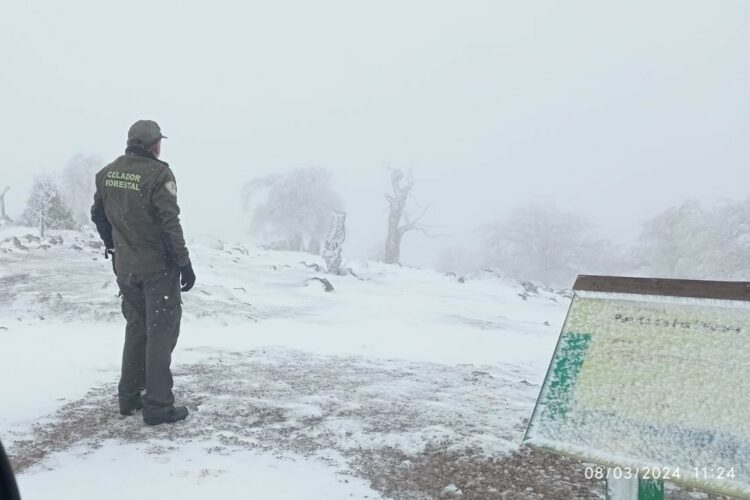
[397, 211]
[334, 243]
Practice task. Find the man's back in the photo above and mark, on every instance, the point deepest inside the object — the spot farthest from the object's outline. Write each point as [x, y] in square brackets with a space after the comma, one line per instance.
[137, 195]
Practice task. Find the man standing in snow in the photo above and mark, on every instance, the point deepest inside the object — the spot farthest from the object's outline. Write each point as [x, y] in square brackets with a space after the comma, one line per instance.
[136, 214]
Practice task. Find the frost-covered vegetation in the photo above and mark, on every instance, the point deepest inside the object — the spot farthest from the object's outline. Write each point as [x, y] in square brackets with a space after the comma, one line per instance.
[552, 246]
[294, 211]
[46, 206]
[695, 241]
[59, 201]
[541, 244]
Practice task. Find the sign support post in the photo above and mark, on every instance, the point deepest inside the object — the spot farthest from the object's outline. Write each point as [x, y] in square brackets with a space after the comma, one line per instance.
[634, 489]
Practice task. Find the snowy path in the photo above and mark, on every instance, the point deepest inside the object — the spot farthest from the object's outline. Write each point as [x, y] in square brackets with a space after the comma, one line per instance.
[278, 399]
[371, 419]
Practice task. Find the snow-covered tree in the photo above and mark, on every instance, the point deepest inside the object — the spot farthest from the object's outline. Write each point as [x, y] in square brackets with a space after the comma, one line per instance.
[729, 255]
[46, 206]
[667, 244]
[78, 185]
[690, 241]
[294, 208]
[397, 210]
[546, 245]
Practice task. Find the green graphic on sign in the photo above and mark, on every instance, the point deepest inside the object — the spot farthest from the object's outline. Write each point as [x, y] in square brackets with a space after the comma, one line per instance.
[565, 373]
[654, 387]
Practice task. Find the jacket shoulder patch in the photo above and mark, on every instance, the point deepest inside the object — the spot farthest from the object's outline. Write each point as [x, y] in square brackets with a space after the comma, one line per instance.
[171, 187]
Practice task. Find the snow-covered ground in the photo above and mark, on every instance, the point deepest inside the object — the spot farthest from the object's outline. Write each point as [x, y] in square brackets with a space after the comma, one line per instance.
[399, 383]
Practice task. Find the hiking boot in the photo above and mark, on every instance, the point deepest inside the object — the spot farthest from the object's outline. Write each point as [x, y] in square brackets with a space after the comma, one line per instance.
[128, 406]
[173, 415]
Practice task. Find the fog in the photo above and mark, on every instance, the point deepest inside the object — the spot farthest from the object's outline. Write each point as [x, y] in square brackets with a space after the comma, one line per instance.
[613, 110]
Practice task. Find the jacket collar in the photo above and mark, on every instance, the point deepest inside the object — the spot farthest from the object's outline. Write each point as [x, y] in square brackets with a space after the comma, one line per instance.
[144, 153]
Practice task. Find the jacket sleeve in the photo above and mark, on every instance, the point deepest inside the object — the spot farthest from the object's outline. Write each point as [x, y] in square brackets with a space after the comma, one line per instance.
[167, 213]
[99, 218]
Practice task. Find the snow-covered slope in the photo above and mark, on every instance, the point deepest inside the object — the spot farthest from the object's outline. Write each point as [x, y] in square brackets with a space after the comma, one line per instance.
[399, 382]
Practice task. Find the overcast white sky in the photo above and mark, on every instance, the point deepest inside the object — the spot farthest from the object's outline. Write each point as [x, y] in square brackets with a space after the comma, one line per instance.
[615, 109]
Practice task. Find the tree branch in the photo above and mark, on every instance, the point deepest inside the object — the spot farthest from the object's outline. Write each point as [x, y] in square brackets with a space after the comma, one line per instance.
[414, 225]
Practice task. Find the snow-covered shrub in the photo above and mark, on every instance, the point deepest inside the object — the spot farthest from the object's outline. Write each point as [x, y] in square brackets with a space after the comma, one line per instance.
[46, 201]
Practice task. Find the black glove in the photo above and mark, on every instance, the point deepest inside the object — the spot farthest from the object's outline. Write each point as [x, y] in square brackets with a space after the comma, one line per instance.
[187, 277]
[107, 253]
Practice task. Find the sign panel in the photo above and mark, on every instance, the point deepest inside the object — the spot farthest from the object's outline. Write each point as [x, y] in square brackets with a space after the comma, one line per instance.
[654, 386]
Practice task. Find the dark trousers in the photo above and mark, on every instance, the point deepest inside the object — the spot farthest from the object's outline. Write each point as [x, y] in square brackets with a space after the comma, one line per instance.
[152, 308]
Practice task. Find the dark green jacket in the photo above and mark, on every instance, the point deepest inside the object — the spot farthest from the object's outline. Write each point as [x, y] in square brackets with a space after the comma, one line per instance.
[135, 211]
